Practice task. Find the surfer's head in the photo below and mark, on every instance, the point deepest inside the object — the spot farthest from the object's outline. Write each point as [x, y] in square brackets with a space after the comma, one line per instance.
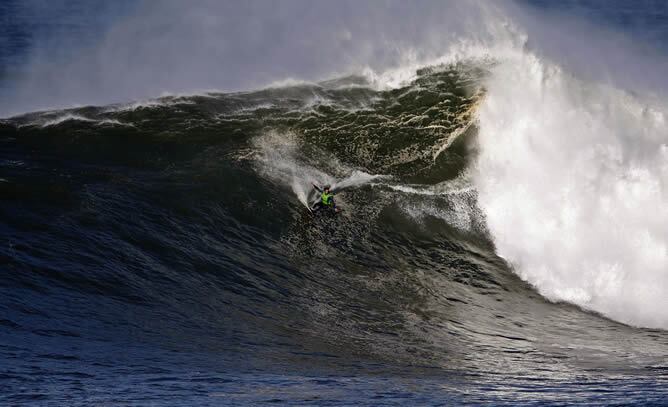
[326, 188]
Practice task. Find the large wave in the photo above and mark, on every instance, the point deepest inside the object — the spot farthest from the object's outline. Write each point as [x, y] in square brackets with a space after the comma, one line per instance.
[565, 175]
[504, 219]
[569, 175]
[491, 149]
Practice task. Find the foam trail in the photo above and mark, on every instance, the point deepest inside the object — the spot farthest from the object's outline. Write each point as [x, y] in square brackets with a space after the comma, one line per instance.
[356, 179]
[278, 157]
[280, 160]
[572, 178]
[460, 185]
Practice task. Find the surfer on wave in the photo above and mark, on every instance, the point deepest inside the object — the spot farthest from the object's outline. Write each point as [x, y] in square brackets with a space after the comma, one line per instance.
[326, 200]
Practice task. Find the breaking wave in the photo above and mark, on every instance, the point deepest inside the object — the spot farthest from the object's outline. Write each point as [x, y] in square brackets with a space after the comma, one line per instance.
[468, 185]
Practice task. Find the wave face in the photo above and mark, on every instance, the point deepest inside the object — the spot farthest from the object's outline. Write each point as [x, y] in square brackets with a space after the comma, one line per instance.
[179, 227]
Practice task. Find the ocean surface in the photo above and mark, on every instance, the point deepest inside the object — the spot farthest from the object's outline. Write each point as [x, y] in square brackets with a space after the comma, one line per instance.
[503, 238]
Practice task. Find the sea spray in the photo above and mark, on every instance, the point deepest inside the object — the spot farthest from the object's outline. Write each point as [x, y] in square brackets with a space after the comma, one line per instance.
[277, 156]
[355, 179]
[571, 177]
[280, 159]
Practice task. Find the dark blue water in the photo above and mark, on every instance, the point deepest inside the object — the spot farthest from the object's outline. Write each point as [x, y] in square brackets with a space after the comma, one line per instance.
[159, 253]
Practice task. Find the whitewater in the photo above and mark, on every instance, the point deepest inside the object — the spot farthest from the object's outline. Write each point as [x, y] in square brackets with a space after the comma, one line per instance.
[571, 179]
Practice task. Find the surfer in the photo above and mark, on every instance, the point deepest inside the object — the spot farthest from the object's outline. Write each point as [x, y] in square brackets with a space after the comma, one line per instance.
[326, 200]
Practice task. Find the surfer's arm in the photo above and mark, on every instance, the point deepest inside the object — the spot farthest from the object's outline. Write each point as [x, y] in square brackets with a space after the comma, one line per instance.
[317, 188]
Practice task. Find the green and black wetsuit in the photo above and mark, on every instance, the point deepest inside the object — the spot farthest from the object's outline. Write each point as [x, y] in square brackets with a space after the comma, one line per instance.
[326, 200]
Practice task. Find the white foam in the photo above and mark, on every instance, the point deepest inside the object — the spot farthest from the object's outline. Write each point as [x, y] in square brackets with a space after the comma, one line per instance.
[457, 186]
[572, 178]
[154, 103]
[113, 122]
[75, 117]
[452, 201]
[355, 179]
[64, 118]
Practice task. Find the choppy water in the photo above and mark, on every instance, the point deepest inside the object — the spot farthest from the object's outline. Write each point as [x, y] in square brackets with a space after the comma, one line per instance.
[160, 252]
